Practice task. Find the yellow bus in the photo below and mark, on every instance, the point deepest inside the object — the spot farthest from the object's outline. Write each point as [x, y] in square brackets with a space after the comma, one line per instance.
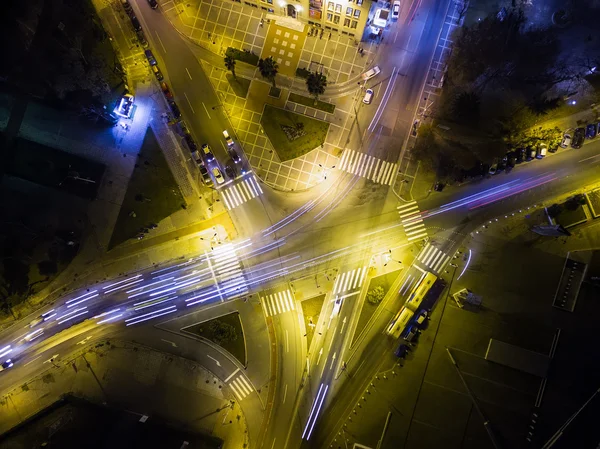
[420, 291]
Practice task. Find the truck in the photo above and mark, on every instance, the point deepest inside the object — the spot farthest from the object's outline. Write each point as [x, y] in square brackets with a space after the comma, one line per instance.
[465, 296]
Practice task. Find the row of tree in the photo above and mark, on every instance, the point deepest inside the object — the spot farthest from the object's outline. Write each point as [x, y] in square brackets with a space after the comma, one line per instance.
[315, 82]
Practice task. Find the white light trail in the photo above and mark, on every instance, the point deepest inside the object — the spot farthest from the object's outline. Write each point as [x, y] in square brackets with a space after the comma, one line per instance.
[121, 282]
[80, 301]
[48, 312]
[5, 350]
[107, 313]
[49, 316]
[466, 265]
[124, 286]
[166, 312]
[74, 316]
[108, 320]
[148, 285]
[79, 297]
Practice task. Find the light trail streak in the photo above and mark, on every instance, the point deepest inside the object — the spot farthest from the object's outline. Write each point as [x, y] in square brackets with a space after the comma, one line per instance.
[121, 282]
[529, 185]
[466, 266]
[73, 304]
[150, 315]
[74, 316]
[79, 297]
[123, 286]
[149, 285]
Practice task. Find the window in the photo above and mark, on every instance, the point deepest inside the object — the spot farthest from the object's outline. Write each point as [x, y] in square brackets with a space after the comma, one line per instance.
[348, 11]
[270, 2]
[336, 19]
[338, 8]
[354, 24]
[330, 6]
[357, 13]
[263, 8]
[271, 10]
[359, 2]
[346, 22]
[329, 17]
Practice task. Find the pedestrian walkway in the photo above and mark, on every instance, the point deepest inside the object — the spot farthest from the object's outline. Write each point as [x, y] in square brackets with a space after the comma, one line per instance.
[349, 280]
[279, 302]
[372, 168]
[227, 270]
[239, 193]
[433, 258]
[413, 224]
[240, 387]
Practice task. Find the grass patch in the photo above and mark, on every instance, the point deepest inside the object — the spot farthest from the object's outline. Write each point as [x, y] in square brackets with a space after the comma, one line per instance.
[242, 55]
[274, 92]
[302, 72]
[384, 281]
[307, 101]
[152, 193]
[314, 130]
[311, 309]
[55, 168]
[239, 85]
[225, 331]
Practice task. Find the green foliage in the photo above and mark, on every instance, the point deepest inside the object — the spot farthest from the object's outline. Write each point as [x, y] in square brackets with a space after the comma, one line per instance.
[268, 69]
[316, 84]
[307, 101]
[244, 56]
[554, 210]
[47, 267]
[375, 295]
[222, 332]
[302, 72]
[465, 107]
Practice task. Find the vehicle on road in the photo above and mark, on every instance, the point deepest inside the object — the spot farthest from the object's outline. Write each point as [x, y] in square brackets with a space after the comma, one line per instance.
[153, 4]
[228, 138]
[337, 305]
[135, 22]
[230, 171]
[218, 176]
[33, 335]
[190, 142]
[142, 38]
[578, 138]
[371, 73]
[36, 321]
[591, 131]
[493, 168]
[531, 154]
[204, 173]
[396, 10]
[166, 91]
[150, 57]
[207, 152]
[234, 156]
[368, 96]
[566, 141]
[6, 364]
[520, 155]
[542, 151]
[175, 109]
[157, 73]
[401, 350]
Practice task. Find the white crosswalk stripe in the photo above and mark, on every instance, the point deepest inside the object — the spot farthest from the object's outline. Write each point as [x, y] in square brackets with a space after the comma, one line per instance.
[433, 258]
[227, 268]
[241, 192]
[349, 280]
[410, 216]
[241, 387]
[361, 164]
[279, 302]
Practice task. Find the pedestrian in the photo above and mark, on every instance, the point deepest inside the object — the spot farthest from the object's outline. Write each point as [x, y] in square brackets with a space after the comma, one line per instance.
[329, 36]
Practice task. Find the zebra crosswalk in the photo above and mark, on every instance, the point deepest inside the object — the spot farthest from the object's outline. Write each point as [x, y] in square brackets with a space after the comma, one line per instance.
[410, 215]
[240, 387]
[238, 193]
[433, 258]
[279, 302]
[361, 164]
[349, 280]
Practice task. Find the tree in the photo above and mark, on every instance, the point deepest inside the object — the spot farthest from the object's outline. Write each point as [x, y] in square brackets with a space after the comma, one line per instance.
[230, 65]
[222, 332]
[268, 69]
[376, 295]
[316, 84]
[465, 107]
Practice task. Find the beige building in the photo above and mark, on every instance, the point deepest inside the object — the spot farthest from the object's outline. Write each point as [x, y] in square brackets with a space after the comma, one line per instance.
[344, 16]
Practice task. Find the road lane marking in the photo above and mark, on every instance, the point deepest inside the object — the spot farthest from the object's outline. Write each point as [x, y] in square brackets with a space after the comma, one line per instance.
[273, 445]
[189, 102]
[287, 341]
[587, 159]
[161, 44]
[38, 357]
[207, 111]
[212, 358]
[284, 394]
[188, 72]
[241, 387]
[231, 375]
[168, 341]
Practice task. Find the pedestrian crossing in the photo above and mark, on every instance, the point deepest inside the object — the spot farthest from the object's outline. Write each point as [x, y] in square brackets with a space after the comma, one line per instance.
[410, 216]
[227, 269]
[361, 164]
[433, 258]
[240, 387]
[238, 193]
[349, 280]
[279, 302]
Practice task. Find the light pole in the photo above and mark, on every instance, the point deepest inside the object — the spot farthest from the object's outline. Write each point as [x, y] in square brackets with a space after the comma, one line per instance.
[389, 259]
[326, 170]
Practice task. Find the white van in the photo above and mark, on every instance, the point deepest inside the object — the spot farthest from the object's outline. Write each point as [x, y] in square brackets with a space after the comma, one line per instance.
[368, 96]
[542, 151]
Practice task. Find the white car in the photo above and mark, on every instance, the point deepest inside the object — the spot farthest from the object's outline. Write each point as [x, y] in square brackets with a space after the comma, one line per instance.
[337, 305]
[371, 73]
[566, 140]
[543, 150]
[396, 10]
[6, 364]
[218, 176]
[228, 138]
[368, 96]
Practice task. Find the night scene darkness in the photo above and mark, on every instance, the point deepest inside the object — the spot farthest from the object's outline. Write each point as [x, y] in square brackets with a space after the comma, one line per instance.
[300, 224]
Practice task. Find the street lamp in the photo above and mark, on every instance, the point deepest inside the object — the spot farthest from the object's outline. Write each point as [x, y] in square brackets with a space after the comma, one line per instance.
[388, 258]
[326, 169]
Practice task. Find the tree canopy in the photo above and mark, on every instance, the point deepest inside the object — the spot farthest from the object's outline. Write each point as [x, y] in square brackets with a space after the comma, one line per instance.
[316, 84]
[268, 69]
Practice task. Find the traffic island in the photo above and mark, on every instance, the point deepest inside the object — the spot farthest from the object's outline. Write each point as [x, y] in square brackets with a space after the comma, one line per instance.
[311, 310]
[291, 134]
[239, 85]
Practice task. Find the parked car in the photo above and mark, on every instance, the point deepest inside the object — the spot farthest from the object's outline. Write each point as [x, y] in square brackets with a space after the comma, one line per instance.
[415, 127]
[234, 156]
[512, 161]
[157, 73]
[591, 131]
[150, 57]
[531, 154]
[153, 4]
[371, 73]
[566, 141]
[402, 350]
[6, 364]
[142, 38]
[190, 142]
[207, 152]
[197, 157]
[135, 22]
[228, 138]
[175, 109]
[230, 171]
[204, 173]
[126, 6]
[542, 151]
[368, 96]
[493, 169]
[396, 10]
[553, 146]
[218, 176]
[578, 138]
[520, 155]
[166, 91]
